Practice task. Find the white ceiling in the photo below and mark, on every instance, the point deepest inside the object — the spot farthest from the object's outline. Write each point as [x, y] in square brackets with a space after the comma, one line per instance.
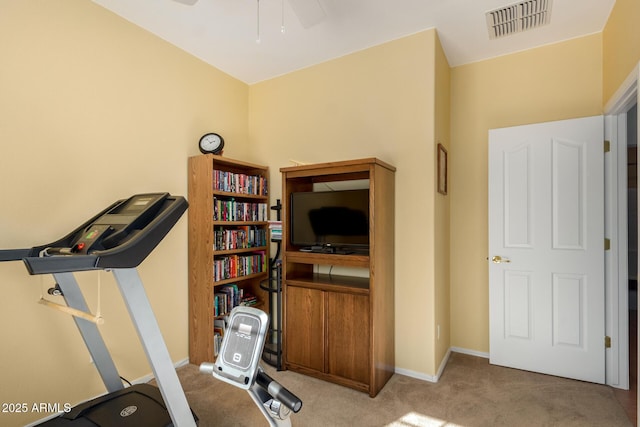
[223, 33]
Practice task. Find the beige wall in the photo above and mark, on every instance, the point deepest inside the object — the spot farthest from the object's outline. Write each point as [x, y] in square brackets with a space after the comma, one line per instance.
[554, 82]
[379, 102]
[441, 230]
[621, 40]
[93, 109]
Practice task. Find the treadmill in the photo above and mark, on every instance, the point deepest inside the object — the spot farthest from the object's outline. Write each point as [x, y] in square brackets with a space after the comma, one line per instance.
[117, 239]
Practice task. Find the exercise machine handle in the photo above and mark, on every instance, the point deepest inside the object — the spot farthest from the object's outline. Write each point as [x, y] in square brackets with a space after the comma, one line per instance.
[278, 392]
[14, 254]
[207, 368]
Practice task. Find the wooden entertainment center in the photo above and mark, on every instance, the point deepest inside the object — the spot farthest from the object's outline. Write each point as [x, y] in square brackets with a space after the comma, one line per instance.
[340, 328]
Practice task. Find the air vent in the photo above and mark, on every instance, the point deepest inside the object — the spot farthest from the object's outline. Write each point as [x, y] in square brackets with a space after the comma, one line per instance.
[518, 17]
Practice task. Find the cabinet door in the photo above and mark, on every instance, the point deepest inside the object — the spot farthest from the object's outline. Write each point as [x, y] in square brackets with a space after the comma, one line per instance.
[348, 335]
[305, 327]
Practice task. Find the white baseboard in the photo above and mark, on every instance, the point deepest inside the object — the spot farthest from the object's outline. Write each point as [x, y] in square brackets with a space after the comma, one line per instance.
[443, 364]
[470, 352]
[416, 375]
[425, 377]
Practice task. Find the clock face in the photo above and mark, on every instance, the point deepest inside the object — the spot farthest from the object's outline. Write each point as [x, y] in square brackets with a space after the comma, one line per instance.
[211, 143]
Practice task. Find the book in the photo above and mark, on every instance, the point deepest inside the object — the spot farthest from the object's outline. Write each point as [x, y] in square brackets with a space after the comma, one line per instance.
[275, 227]
[220, 304]
[249, 300]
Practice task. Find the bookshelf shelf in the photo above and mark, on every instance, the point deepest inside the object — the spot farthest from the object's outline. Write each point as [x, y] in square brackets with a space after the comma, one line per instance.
[340, 328]
[221, 190]
[239, 250]
[239, 279]
[240, 195]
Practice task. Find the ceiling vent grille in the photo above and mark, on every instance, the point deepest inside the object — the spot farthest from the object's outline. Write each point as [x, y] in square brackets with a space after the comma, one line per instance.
[518, 17]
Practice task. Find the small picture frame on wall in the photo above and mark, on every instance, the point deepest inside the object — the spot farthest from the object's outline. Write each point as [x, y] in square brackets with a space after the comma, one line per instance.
[442, 169]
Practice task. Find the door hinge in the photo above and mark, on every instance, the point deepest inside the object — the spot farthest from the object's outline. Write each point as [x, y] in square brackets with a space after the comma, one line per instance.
[607, 146]
[607, 244]
[607, 342]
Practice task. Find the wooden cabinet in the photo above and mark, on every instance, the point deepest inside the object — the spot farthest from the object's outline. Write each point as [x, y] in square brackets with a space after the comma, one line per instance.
[305, 312]
[228, 249]
[340, 327]
[348, 337]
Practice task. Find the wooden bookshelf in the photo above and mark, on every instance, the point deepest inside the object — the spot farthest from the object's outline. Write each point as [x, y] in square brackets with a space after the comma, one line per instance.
[206, 255]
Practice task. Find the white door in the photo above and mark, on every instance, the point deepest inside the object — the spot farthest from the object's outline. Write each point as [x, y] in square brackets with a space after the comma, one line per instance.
[546, 248]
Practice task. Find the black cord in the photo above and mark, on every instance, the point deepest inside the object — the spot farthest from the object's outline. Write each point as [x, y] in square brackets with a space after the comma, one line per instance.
[126, 381]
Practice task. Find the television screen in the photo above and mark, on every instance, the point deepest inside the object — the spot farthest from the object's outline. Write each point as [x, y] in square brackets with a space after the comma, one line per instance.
[335, 218]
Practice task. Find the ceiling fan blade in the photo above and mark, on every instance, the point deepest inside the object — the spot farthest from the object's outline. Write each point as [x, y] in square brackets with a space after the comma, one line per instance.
[187, 2]
[309, 12]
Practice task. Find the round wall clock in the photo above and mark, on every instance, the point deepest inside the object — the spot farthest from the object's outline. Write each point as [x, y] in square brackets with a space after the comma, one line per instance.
[211, 143]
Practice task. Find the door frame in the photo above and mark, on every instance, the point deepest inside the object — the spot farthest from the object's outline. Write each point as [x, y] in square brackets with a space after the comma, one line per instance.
[616, 275]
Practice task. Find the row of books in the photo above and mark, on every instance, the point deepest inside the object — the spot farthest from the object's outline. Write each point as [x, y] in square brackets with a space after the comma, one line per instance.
[240, 183]
[275, 227]
[229, 297]
[230, 210]
[225, 298]
[228, 267]
[239, 238]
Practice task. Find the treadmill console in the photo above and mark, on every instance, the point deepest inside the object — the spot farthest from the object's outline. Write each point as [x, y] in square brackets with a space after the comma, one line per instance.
[114, 226]
[121, 236]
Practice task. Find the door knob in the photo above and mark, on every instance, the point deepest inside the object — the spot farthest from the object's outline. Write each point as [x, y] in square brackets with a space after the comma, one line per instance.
[497, 259]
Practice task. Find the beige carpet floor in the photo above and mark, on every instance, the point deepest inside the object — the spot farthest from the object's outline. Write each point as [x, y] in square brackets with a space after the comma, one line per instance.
[470, 393]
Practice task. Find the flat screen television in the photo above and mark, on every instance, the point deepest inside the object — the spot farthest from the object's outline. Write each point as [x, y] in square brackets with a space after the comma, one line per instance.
[336, 219]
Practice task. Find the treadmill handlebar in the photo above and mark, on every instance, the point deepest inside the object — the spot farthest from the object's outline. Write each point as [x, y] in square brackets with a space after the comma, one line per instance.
[278, 392]
[14, 254]
[61, 264]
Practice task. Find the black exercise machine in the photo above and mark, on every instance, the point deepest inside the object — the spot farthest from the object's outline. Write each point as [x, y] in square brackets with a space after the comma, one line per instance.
[117, 239]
